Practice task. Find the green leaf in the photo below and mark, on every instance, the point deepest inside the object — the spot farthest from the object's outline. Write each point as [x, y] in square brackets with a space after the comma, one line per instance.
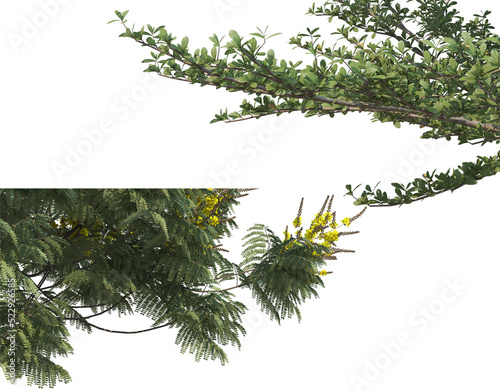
[488, 68]
[270, 55]
[466, 36]
[469, 79]
[6, 228]
[401, 46]
[427, 57]
[472, 49]
[494, 55]
[428, 43]
[453, 63]
[470, 180]
[235, 37]
[482, 49]
[257, 35]
[184, 42]
[215, 40]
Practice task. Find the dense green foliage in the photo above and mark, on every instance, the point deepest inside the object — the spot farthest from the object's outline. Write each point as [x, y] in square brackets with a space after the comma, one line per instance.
[70, 255]
[443, 76]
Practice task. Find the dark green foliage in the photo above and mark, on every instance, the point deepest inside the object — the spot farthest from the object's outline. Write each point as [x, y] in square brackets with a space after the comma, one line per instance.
[283, 277]
[70, 255]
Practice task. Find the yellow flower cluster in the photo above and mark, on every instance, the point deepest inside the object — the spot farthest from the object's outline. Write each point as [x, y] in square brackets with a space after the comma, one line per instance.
[209, 201]
[323, 227]
[331, 236]
[319, 224]
[316, 230]
[297, 221]
[213, 221]
[320, 273]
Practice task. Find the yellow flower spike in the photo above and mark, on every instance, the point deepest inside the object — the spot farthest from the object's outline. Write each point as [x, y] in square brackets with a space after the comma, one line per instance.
[297, 222]
[346, 221]
[323, 273]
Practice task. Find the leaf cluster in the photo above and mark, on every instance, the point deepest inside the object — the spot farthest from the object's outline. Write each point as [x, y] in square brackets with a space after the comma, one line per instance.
[426, 67]
[71, 255]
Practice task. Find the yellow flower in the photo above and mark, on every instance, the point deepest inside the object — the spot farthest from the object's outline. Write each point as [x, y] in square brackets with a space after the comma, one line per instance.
[346, 221]
[213, 220]
[297, 221]
[331, 236]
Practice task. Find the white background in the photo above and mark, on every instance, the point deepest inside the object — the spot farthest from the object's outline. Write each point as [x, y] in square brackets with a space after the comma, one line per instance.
[70, 72]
